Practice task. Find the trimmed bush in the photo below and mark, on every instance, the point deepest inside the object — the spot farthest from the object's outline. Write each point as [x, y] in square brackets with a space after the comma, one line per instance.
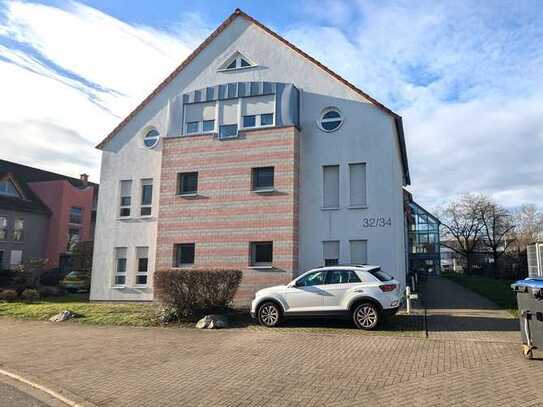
[30, 295]
[50, 291]
[8, 295]
[192, 293]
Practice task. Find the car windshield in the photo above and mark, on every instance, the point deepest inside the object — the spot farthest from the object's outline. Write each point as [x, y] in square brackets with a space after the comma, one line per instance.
[381, 275]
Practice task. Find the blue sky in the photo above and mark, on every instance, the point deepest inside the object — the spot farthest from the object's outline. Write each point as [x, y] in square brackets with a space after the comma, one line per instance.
[465, 75]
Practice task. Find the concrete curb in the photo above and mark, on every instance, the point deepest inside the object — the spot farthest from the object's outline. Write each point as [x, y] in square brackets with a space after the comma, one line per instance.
[67, 400]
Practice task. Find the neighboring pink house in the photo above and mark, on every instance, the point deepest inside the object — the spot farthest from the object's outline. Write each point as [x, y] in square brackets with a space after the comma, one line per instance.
[71, 207]
[63, 213]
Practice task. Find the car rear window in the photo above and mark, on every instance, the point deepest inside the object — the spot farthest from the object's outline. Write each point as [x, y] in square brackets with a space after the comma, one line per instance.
[381, 275]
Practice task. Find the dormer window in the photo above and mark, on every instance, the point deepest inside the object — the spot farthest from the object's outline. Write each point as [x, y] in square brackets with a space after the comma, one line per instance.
[236, 61]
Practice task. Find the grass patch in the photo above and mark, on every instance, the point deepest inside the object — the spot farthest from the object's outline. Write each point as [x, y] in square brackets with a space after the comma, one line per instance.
[91, 313]
[497, 291]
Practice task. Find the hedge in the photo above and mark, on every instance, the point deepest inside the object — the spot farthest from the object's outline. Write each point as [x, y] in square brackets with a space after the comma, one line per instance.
[193, 293]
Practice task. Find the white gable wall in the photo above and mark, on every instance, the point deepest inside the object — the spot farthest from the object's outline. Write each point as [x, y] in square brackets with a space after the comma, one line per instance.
[367, 135]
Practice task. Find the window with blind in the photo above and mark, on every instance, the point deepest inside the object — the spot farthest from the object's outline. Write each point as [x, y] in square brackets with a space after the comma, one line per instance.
[331, 186]
[357, 185]
[330, 252]
[126, 198]
[359, 251]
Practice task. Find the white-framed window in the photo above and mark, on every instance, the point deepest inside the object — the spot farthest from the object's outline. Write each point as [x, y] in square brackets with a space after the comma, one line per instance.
[200, 118]
[236, 61]
[119, 278]
[3, 227]
[146, 206]
[193, 127]
[125, 198]
[330, 120]
[330, 186]
[15, 259]
[359, 251]
[261, 254]
[142, 264]
[228, 113]
[208, 126]
[18, 230]
[330, 252]
[357, 185]
[151, 138]
[257, 111]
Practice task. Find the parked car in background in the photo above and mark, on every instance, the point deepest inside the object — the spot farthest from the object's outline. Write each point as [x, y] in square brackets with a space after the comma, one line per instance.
[364, 293]
[76, 281]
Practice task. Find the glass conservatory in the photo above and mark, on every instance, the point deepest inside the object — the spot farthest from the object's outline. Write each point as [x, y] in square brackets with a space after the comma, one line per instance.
[423, 235]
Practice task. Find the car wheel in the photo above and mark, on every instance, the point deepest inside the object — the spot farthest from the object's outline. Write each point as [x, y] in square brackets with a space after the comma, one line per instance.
[269, 314]
[366, 316]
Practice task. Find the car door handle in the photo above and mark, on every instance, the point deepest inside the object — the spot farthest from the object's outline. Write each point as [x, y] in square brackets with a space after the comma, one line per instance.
[358, 290]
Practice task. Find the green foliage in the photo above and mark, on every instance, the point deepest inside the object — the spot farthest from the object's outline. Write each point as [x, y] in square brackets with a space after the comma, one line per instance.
[46, 291]
[8, 295]
[192, 293]
[82, 257]
[498, 291]
[30, 295]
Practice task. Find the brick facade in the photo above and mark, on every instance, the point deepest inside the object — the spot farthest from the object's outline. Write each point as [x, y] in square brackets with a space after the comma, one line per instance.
[226, 215]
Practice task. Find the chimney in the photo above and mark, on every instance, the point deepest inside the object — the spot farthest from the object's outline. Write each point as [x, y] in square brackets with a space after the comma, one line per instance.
[84, 179]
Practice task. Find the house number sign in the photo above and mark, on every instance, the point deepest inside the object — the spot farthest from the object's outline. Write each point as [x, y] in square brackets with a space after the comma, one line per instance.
[378, 222]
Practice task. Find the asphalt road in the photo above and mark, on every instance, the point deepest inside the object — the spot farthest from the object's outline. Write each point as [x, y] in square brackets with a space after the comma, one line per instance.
[12, 397]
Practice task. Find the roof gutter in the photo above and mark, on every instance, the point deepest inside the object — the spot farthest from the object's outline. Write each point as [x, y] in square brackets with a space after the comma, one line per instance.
[403, 150]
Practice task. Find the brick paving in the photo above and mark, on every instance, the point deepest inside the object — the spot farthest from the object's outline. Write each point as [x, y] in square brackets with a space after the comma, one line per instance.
[116, 366]
[456, 313]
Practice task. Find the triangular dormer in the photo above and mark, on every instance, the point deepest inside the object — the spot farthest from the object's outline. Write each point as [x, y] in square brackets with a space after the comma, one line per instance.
[9, 187]
[236, 61]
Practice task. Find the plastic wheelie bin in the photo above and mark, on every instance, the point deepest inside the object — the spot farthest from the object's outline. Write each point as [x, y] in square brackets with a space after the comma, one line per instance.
[530, 305]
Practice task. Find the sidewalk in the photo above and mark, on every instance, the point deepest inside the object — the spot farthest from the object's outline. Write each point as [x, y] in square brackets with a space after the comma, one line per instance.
[454, 312]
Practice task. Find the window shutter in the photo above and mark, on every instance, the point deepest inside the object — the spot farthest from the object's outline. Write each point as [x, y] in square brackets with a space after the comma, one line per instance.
[331, 186]
[357, 173]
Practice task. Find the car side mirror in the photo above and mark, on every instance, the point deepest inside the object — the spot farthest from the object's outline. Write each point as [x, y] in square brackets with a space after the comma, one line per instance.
[292, 284]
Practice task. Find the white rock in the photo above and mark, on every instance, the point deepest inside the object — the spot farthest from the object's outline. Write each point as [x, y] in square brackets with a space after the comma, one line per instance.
[63, 316]
[213, 321]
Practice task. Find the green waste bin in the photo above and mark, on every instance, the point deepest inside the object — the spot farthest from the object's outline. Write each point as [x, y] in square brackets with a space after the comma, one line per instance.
[530, 305]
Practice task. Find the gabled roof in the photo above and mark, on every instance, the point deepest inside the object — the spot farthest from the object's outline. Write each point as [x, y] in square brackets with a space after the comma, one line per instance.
[238, 13]
[25, 174]
[27, 201]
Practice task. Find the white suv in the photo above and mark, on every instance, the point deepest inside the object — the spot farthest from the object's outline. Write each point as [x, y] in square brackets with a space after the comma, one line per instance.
[364, 293]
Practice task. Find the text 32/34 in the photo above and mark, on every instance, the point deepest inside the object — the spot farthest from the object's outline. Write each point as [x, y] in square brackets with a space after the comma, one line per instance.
[378, 222]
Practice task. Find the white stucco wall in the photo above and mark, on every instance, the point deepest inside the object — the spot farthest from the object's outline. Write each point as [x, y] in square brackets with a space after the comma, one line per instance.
[367, 135]
[126, 158]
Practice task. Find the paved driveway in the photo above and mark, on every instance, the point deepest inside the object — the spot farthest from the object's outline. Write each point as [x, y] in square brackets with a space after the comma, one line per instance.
[110, 366]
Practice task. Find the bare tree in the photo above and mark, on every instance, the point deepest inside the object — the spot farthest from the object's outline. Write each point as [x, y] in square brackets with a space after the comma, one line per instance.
[529, 226]
[462, 227]
[498, 227]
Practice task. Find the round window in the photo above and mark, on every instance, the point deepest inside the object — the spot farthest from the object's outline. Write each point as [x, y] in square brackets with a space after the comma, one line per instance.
[151, 138]
[331, 119]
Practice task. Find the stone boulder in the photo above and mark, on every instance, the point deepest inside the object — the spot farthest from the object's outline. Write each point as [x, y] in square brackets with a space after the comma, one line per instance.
[213, 321]
[63, 316]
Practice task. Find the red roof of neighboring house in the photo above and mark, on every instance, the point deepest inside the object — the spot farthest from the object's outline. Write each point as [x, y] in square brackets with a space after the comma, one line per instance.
[222, 27]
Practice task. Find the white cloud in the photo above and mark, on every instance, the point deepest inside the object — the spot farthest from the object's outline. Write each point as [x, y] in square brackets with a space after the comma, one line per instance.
[75, 72]
[466, 77]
